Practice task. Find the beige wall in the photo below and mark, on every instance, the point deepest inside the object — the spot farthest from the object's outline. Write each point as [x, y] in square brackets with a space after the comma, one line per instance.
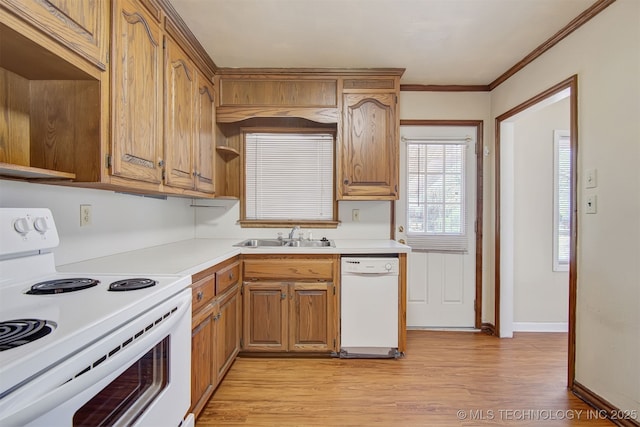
[464, 106]
[541, 295]
[121, 222]
[605, 54]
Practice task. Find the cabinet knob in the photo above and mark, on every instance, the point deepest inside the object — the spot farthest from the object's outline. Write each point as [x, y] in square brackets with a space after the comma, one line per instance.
[283, 296]
[346, 182]
[230, 276]
[199, 295]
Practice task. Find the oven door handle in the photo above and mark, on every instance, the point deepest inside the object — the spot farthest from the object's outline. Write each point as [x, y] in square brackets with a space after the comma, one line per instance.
[30, 402]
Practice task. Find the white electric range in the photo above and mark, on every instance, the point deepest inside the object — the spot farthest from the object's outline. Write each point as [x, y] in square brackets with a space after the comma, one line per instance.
[86, 349]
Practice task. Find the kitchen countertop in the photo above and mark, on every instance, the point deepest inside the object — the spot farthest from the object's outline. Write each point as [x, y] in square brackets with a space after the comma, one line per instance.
[191, 256]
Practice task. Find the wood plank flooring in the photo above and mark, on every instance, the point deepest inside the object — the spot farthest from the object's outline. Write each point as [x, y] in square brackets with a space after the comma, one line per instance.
[491, 381]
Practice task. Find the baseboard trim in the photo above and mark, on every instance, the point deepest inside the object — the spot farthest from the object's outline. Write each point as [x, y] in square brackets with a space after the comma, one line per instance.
[540, 327]
[441, 329]
[614, 414]
[488, 328]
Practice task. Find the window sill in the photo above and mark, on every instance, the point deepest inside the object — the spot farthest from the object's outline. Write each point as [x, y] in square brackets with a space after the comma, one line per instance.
[287, 224]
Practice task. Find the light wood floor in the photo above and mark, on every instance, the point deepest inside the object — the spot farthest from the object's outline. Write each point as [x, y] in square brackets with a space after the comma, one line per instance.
[519, 381]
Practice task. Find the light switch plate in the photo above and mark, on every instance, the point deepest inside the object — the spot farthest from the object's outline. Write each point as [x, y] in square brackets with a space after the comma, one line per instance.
[591, 178]
[592, 204]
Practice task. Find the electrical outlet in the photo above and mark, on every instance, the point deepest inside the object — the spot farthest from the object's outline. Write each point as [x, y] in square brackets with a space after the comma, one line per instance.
[85, 215]
[355, 215]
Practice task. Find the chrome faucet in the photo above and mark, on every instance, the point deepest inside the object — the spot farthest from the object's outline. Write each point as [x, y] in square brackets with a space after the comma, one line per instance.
[293, 231]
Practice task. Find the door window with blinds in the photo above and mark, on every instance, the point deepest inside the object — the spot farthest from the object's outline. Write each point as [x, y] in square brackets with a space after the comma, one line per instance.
[288, 177]
[561, 199]
[437, 194]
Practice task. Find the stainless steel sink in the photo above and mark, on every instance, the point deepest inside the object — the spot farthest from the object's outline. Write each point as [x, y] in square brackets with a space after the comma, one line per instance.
[255, 243]
[310, 243]
[290, 243]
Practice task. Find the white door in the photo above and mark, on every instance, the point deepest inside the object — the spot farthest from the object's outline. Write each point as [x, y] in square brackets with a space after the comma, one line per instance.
[437, 211]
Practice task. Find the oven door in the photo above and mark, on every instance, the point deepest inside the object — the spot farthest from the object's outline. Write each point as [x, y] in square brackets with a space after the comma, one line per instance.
[139, 375]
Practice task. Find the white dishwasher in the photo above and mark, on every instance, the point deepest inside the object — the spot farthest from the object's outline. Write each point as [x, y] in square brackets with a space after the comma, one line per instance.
[369, 307]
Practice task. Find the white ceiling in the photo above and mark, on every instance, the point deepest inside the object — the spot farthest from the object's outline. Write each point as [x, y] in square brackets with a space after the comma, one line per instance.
[439, 42]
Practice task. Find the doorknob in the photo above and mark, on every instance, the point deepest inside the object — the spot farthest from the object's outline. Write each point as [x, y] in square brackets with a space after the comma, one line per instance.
[401, 229]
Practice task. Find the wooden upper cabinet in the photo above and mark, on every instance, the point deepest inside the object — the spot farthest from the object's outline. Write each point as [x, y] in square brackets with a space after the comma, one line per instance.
[180, 105]
[367, 159]
[136, 93]
[205, 138]
[79, 25]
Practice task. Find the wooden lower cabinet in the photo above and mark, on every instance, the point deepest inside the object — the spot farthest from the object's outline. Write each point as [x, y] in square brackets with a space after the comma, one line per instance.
[203, 378]
[311, 312]
[228, 331]
[216, 330]
[265, 316]
[289, 317]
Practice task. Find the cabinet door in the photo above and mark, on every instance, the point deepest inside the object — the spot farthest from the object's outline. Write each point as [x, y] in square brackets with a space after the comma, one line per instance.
[179, 117]
[368, 156]
[228, 323]
[265, 316]
[203, 376]
[80, 25]
[136, 93]
[311, 317]
[205, 136]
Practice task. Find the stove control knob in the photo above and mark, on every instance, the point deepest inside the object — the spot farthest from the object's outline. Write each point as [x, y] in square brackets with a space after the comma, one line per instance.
[22, 226]
[41, 225]
[388, 266]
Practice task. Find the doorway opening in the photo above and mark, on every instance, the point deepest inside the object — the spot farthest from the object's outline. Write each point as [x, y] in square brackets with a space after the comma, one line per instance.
[504, 220]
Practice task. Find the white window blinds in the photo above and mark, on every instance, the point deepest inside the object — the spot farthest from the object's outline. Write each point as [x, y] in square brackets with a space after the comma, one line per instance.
[561, 200]
[436, 196]
[288, 176]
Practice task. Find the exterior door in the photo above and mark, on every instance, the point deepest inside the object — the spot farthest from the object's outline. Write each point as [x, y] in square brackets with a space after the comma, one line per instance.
[440, 280]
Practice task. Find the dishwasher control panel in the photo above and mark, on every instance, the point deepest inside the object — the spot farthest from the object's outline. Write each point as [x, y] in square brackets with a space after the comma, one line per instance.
[370, 265]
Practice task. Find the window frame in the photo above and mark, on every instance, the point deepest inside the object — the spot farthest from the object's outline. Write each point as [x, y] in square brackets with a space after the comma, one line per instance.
[261, 223]
[442, 242]
[558, 137]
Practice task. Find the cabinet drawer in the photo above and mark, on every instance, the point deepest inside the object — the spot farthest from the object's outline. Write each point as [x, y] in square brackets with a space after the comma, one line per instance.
[202, 292]
[288, 269]
[227, 277]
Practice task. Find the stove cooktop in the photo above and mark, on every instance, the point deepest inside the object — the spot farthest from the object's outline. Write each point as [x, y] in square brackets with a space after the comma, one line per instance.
[73, 320]
[14, 333]
[58, 286]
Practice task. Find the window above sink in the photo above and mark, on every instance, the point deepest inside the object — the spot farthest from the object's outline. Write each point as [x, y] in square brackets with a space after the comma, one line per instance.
[288, 177]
